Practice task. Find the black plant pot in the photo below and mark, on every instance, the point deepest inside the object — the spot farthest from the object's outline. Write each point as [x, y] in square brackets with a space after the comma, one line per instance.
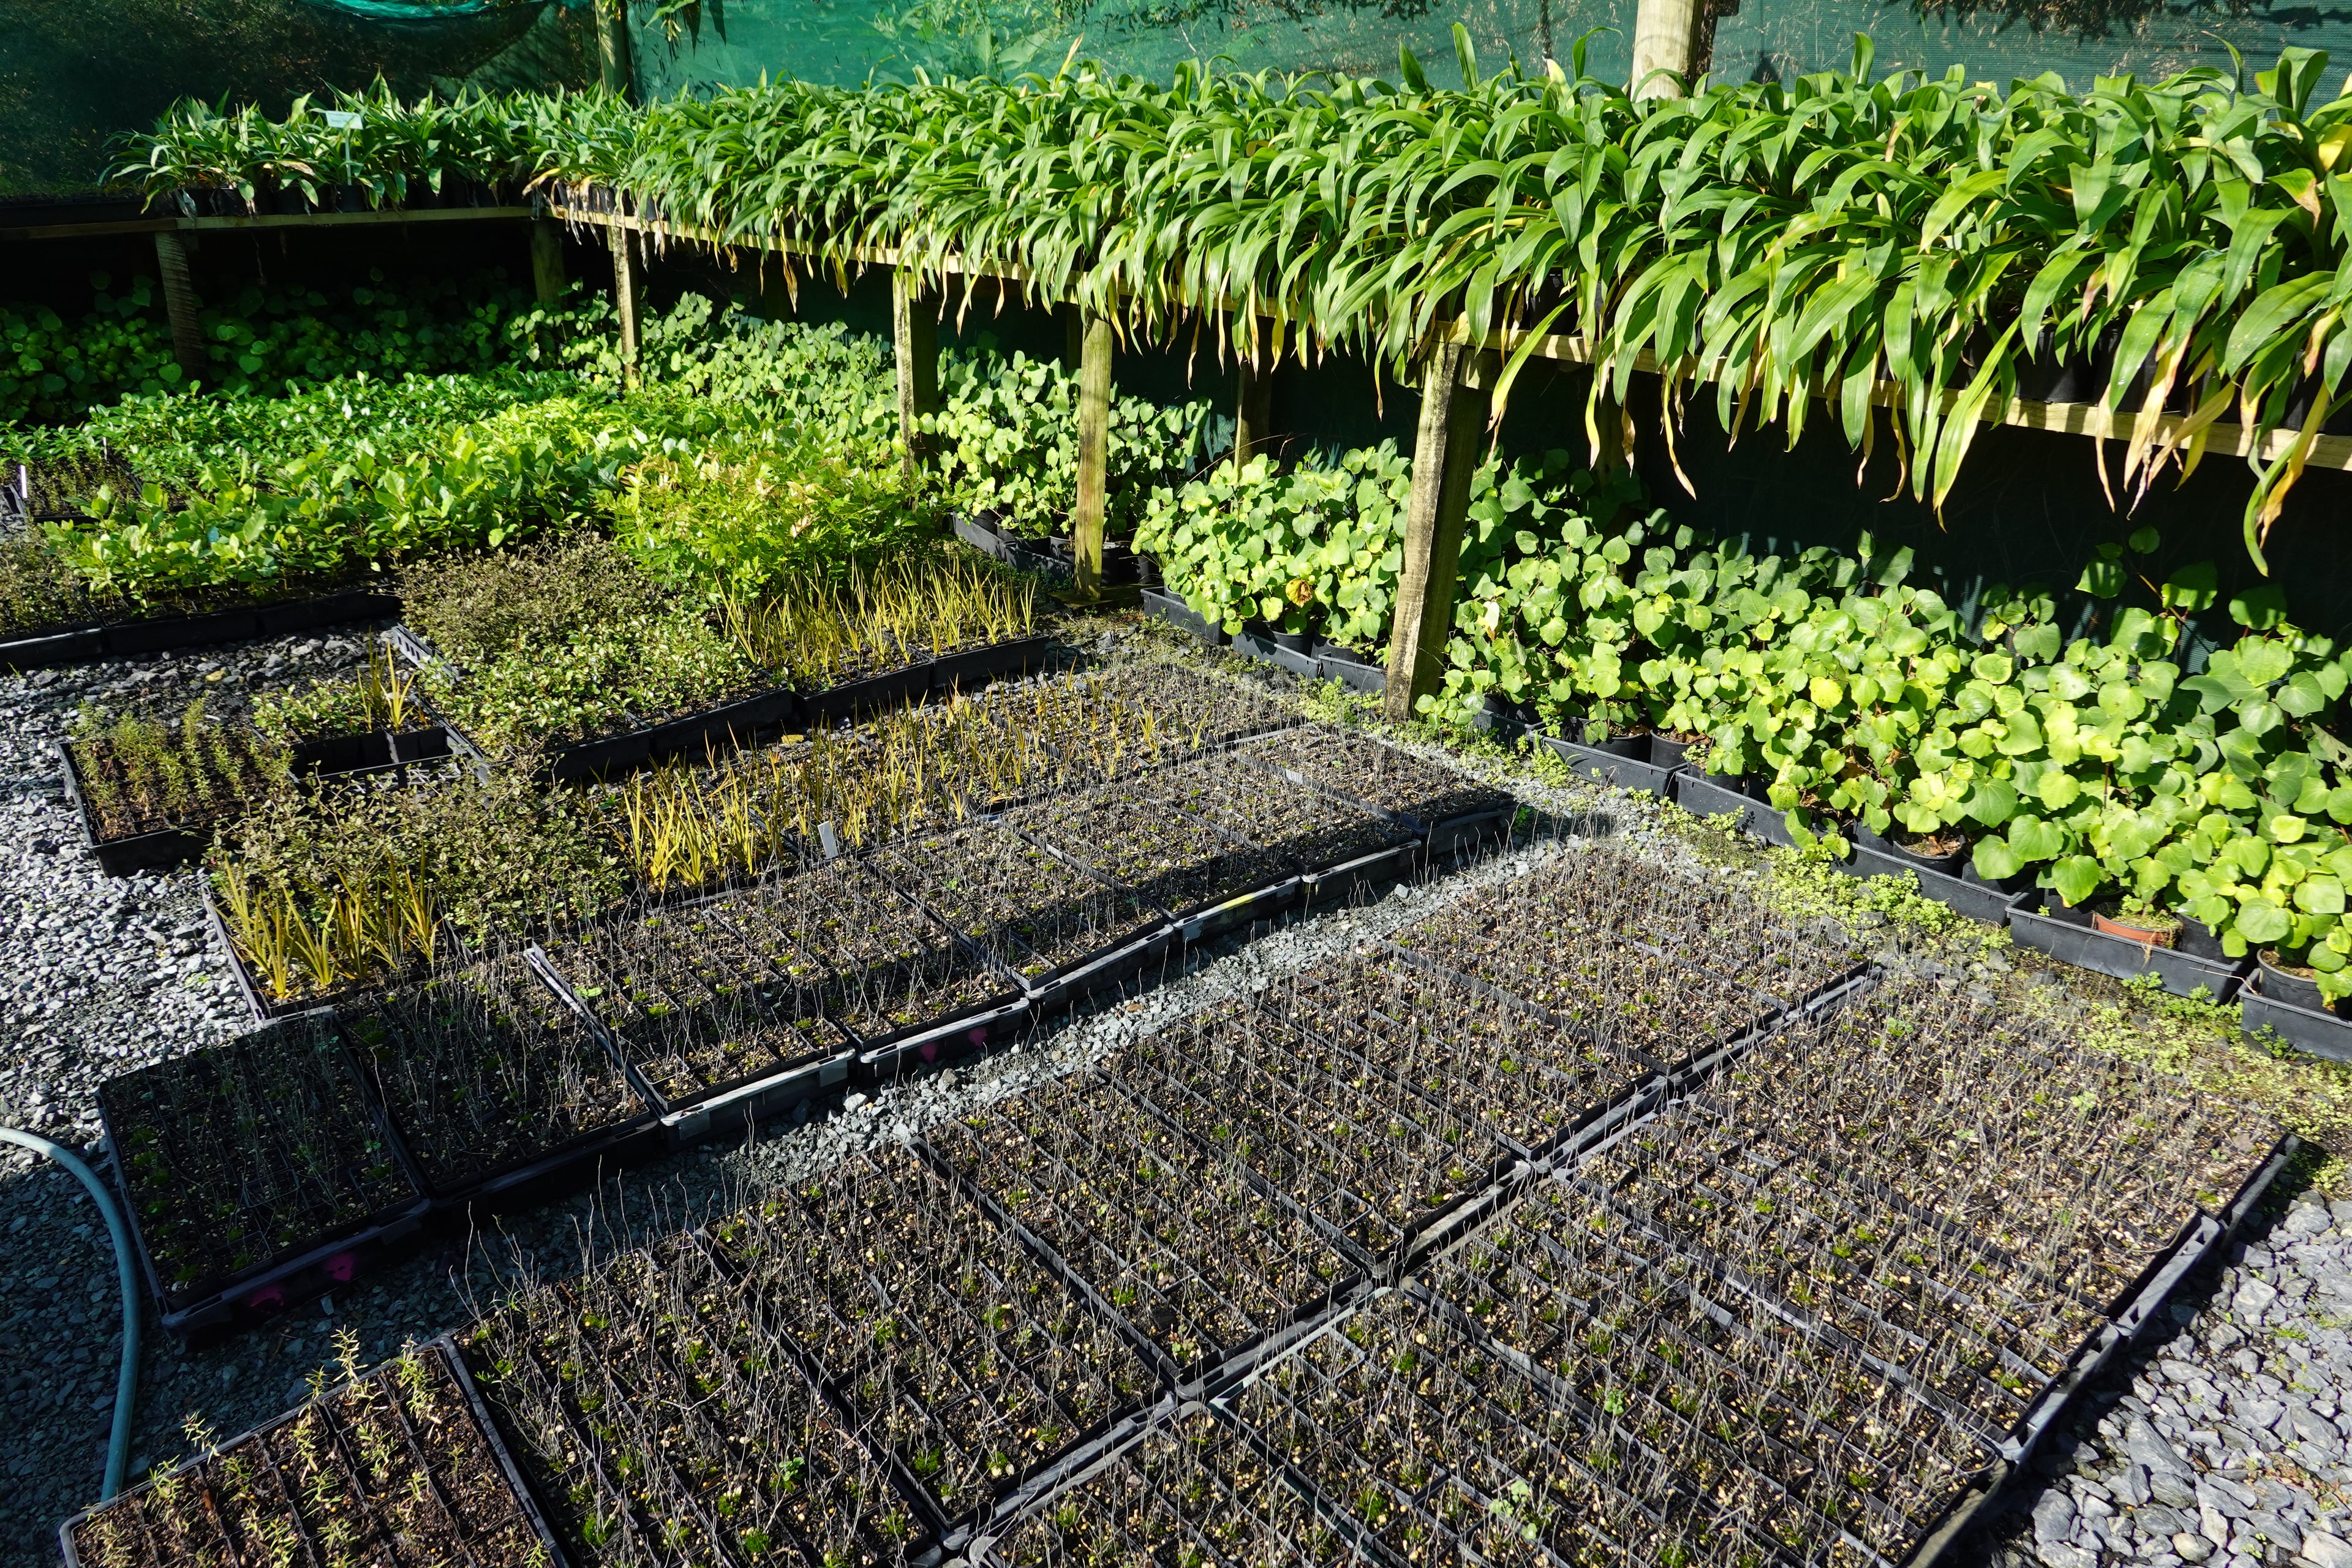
[2199, 941]
[1942, 865]
[1667, 751]
[2280, 984]
[1617, 744]
[352, 199]
[2019, 882]
[291, 201]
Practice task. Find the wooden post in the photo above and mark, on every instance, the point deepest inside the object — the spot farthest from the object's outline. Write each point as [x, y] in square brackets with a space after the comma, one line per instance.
[915, 338]
[1453, 418]
[546, 261]
[180, 303]
[1666, 38]
[1253, 411]
[1094, 454]
[615, 64]
[625, 300]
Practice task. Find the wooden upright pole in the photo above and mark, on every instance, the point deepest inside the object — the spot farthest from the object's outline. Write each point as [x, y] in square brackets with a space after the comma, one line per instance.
[180, 304]
[546, 261]
[915, 338]
[1253, 411]
[625, 300]
[1094, 454]
[1445, 451]
[1666, 38]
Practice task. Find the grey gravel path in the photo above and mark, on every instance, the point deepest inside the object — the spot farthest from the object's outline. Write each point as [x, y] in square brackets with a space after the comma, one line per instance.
[2227, 1442]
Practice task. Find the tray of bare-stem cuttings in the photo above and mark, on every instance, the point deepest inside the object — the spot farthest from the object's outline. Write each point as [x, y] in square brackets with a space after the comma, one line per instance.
[498, 1088]
[397, 1464]
[258, 1175]
[1173, 1241]
[713, 1035]
[956, 1350]
[1205, 879]
[1450, 811]
[1108, 722]
[906, 992]
[1063, 934]
[1338, 849]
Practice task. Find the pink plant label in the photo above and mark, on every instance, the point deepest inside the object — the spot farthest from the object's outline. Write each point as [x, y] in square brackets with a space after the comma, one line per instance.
[342, 1266]
[930, 1051]
[268, 1298]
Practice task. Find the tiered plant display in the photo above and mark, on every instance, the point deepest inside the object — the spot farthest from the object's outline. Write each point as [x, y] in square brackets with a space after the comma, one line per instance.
[1032, 914]
[1355, 767]
[941, 1337]
[690, 1004]
[1133, 841]
[241, 1161]
[1173, 1235]
[490, 1077]
[394, 1467]
[889, 974]
[151, 790]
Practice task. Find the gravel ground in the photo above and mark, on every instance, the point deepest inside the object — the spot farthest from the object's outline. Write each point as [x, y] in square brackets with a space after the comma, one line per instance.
[102, 975]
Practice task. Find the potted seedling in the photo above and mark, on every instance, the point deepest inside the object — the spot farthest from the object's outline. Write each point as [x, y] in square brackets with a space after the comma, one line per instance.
[2138, 920]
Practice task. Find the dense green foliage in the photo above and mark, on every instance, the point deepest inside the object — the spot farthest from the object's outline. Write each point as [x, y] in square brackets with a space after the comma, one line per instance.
[1783, 242]
[263, 340]
[2100, 764]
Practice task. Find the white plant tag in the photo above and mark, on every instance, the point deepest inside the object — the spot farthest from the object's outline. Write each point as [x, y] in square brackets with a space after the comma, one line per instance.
[825, 839]
[342, 119]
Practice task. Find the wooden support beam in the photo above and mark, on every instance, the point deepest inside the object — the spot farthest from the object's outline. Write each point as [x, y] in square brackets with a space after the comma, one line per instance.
[180, 304]
[1253, 411]
[915, 339]
[546, 260]
[625, 300]
[1445, 450]
[1094, 455]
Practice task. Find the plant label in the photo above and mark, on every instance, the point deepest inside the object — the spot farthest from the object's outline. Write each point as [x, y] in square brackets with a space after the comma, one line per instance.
[342, 119]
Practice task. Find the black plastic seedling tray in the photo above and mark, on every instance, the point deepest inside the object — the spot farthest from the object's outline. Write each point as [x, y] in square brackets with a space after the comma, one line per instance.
[370, 750]
[1161, 605]
[972, 667]
[722, 1109]
[164, 634]
[1977, 901]
[1350, 669]
[327, 1259]
[1703, 796]
[516, 1515]
[257, 1001]
[1263, 648]
[2306, 1029]
[2086, 948]
[1602, 766]
[539, 1172]
[162, 849]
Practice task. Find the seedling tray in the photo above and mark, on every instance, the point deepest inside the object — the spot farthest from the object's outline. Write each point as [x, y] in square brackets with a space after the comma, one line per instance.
[500, 1091]
[258, 1000]
[1991, 905]
[258, 1175]
[1635, 773]
[973, 667]
[2321, 1034]
[1061, 930]
[164, 634]
[710, 1034]
[1364, 875]
[162, 849]
[1161, 605]
[1350, 669]
[1207, 880]
[875, 693]
[1702, 796]
[363, 753]
[1447, 810]
[1261, 646]
[2086, 948]
[433, 1476]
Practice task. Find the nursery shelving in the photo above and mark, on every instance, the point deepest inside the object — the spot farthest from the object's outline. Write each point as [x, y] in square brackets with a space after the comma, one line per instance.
[401, 1461]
